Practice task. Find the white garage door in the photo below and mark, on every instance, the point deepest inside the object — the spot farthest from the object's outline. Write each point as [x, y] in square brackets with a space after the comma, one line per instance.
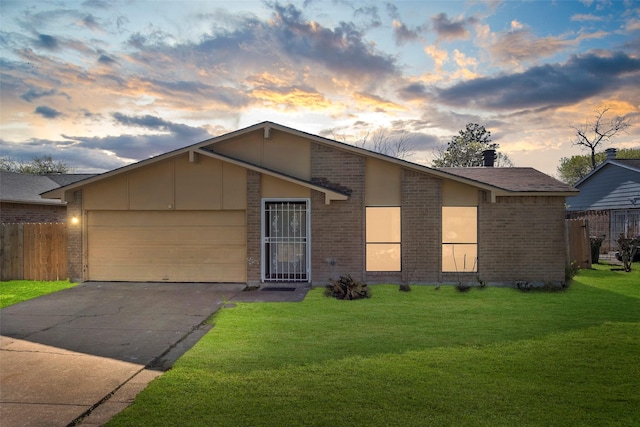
[174, 246]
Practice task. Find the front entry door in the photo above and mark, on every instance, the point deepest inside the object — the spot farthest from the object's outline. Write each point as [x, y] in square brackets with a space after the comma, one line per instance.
[285, 252]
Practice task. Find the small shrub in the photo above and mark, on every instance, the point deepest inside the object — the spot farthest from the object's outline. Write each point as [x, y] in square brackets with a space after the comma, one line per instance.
[481, 283]
[628, 248]
[596, 243]
[462, 287]
[570, 271]
[542, 286]
[347, 288]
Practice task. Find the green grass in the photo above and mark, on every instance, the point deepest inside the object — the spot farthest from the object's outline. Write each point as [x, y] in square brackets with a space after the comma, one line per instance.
[15, 291]
[495, 357]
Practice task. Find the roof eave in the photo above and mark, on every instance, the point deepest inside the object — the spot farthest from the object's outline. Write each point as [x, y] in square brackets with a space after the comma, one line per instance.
[34, 202]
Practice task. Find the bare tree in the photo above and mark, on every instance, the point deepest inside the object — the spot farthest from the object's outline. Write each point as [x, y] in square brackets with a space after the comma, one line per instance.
[391, 143]
[595, 132]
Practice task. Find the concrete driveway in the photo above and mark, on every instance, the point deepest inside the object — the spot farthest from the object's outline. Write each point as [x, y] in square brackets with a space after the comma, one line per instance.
[90, 349]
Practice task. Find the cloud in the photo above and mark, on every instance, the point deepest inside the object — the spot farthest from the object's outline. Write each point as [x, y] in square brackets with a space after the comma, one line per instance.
[341, 49]
[580, 78]
[439, 56]
[448, 29]
[403, 34]
[98, 4]
[369, 101]
[90, 22]
[195, 92]
[79, 159]
[585, 17]
[370, 15]
[291, 98]
[46, 41]
[521, 45]
[157, 123]
[33, 94]
[106, 60]
[413, 91]
[47, 112]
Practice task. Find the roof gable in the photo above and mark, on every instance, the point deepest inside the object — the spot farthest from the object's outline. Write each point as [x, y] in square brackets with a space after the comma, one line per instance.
[503, 181]
[632, 165]
[613, 185]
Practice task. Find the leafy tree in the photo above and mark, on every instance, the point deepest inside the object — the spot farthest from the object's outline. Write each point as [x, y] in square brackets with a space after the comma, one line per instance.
[592, 133]
[573, 169]
[465, 149]
[37, 166]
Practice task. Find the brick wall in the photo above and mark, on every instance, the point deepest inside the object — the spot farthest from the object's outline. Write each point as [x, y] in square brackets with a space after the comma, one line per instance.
[253, 227]
[421, 219]
[27, 212]
[522, 239]
[337, 229]
[74, 237]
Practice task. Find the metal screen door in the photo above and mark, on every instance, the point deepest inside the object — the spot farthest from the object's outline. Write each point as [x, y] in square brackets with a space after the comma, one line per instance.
[285, 251]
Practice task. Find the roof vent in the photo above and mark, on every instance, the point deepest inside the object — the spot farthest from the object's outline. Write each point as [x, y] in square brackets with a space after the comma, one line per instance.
[611, 153]
[488, 158]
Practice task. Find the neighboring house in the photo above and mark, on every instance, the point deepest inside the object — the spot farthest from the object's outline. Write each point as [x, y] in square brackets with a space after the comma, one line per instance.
[272, 204]
[20, 199]
[610, 199]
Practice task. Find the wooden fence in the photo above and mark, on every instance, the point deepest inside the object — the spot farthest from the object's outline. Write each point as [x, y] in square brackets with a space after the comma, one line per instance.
[578, 243]
[33, 251]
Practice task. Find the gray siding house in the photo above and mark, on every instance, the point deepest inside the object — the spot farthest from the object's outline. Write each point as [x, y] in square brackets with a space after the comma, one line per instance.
[610, 199]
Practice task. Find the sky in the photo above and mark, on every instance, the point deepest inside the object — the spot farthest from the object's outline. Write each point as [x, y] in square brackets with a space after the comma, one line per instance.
[101, 84]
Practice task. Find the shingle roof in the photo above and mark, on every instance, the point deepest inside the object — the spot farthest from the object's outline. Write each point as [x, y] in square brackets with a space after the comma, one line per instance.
[512, 179]
[63, 179]
[632, 163]
[25, 188]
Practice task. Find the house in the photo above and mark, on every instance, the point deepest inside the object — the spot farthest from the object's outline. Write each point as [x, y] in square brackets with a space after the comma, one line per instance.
[273, 204]
[20, 199]
[609, 199]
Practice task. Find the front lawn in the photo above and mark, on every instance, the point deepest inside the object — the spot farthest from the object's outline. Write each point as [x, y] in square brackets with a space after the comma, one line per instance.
[495, 357]
[15, 291]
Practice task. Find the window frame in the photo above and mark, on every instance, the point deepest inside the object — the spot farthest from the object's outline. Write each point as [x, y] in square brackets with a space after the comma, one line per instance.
[452, 243]
[395, 242]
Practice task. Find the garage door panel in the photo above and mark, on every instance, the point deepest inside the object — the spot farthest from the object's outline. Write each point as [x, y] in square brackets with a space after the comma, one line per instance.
[122, 246]
[163, 235]
[155, 218]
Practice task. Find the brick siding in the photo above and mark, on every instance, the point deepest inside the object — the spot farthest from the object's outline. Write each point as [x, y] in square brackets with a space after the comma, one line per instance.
[421, 223]
[28, 212]
[522, 239]
[254, 223]
[75, 268]
[337, 229]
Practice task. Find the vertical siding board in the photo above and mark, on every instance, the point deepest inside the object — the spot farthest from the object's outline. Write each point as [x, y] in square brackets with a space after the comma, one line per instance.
[17, 260]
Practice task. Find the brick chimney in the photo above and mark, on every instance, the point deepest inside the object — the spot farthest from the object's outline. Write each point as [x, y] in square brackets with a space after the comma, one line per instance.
[488, 158]
[611, 153]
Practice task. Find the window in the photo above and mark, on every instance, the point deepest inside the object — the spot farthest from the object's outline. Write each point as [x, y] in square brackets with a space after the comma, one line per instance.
[460, 239]
[383, 239]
